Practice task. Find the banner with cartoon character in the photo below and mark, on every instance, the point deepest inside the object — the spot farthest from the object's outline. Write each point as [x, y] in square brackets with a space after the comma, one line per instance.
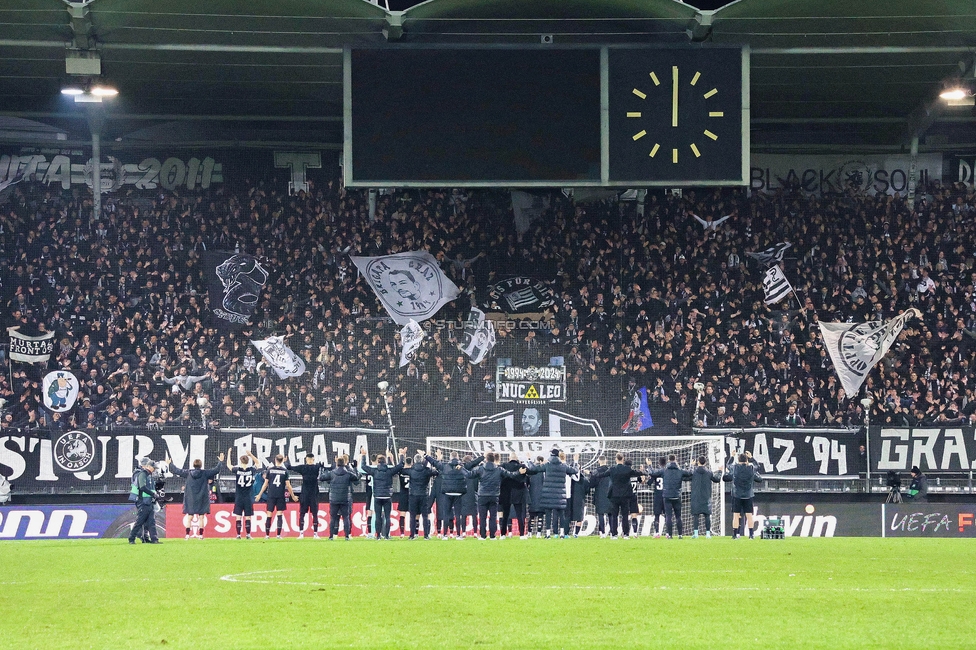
[60, 390]
[235, 282]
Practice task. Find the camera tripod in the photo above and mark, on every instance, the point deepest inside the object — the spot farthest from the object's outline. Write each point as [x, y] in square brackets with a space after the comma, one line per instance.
[894, 495]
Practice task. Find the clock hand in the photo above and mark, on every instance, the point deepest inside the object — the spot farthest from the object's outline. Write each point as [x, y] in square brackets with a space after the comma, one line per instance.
[674, 96]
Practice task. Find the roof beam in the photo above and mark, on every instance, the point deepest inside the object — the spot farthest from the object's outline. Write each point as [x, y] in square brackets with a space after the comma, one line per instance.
[865, 49]
[166, 117]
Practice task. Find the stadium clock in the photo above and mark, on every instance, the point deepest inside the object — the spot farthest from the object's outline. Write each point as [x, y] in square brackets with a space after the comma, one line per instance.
[676, 114]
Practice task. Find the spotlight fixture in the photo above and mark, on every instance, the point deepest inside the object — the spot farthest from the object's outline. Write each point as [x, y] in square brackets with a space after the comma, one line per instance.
[89, 93]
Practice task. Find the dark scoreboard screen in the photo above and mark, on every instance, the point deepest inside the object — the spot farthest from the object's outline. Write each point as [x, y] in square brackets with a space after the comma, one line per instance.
[546, 116]
[469, 115]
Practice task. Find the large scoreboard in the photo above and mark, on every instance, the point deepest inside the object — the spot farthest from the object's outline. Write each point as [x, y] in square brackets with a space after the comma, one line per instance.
[545, 116]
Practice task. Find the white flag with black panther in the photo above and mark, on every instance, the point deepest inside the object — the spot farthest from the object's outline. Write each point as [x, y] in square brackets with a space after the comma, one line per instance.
[411, 286]
[479, 336]
[776, 285]
[855, 348]
[772, 255]
[280, 357]
[411, 336]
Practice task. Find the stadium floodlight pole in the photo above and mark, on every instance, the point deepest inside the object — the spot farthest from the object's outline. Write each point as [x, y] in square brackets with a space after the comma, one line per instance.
[390, 436]
[867, 402]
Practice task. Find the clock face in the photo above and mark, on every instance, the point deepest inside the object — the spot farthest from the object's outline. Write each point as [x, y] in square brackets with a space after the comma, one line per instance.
[676, 115]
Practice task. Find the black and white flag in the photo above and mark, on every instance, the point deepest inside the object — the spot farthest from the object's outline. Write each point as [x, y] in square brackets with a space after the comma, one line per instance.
[30, 349]
[235, 282]
[280, 357]
[411, 286]
[776, 285]
[772, 255]
[855, 348]
[479, 336]
[411, 336]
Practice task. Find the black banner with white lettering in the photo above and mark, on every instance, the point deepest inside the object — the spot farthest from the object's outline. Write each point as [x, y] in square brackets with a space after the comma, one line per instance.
[103, 461]
[798, 453]
[934, 451]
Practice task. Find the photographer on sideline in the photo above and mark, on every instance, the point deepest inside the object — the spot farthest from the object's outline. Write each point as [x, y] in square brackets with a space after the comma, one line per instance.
[144, 496]
[918, 489]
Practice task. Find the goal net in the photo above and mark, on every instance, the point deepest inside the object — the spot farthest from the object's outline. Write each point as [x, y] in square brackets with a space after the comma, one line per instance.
[638, 450]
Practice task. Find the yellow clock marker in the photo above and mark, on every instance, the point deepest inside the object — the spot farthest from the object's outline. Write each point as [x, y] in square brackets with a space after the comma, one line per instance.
[674, 98]
[695, 79]
[638, 136]
[674, 156]
[633, 114]
[657, 82]
[640, 94]
[713, 91]
[694, 150]
[654, 150]
[711, 135]
[716, 113]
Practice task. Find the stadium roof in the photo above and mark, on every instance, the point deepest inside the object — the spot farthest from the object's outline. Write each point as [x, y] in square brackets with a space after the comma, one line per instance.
[824, 72]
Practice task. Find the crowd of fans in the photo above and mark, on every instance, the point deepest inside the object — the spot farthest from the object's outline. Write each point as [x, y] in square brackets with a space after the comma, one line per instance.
[644, 296]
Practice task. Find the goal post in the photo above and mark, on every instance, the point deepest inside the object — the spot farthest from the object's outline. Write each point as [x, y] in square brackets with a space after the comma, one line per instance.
[591, 449]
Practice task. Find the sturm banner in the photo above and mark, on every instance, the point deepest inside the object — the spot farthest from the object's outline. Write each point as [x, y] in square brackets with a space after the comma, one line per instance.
[794, 453]
[832, 174]
[103, 461]
[934, 451]
[74, 168]
[928, 520]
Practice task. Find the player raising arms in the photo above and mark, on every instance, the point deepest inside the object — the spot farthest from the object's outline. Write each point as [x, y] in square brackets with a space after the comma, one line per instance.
[244, 493]
[276, 483]
[308, 500]
[382, 475]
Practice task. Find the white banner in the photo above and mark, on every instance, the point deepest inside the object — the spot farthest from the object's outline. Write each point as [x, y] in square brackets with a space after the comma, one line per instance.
[833, 174]
[855, 348]
[60, 390]
[411, 286]
[30, 349]
[411, 336]
[479, 336]
[280, 357]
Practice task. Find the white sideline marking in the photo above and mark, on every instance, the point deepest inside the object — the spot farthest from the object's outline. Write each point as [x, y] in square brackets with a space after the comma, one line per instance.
[254, 577]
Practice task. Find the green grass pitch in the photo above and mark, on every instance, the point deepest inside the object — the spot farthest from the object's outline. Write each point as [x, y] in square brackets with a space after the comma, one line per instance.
[798, 593]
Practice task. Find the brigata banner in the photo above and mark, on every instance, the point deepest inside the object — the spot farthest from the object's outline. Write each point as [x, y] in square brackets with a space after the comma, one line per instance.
[796, 453]
[108, 458]
[928, 520]
[934, 451]
[66, 522]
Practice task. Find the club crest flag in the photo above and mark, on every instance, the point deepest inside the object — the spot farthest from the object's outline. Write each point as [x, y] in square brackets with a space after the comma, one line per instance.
[776, 285]
[280, 357]
[772, 255]
[479, 336]
[411, 286]
[234, 282]
[640, 414]
[855, 348]
[60, 390]
[411, 336]
[30, 349]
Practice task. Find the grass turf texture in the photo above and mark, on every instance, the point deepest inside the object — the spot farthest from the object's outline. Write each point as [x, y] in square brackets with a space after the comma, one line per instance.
[515, 593]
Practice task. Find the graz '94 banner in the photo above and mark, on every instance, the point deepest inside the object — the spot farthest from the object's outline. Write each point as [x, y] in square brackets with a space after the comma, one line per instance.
[934, 451]
[799, 453]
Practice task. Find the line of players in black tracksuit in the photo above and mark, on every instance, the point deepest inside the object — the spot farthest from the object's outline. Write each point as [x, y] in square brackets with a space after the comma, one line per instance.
[544, 497]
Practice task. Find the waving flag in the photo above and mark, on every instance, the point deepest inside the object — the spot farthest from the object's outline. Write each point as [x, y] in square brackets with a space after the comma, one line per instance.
[280, 357]
[479, 336]
[772, 255]
[640, 414]
[776, 285]
[855, 348]
[411, 286]
[411, 336]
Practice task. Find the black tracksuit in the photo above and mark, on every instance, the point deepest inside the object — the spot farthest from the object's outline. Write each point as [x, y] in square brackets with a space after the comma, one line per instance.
[382, 476]
[514, 494]
[672, 476]
[453, 486]
[490, 478]
[340, 482]
[619, 494]
[308, 498]
[419, 475]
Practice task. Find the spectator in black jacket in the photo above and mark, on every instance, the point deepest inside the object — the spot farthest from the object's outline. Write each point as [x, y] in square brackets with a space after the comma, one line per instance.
[743, 475]
[918, 489]
[619, 494]
[672, 476]
[308, 499]
[701, 495]
[513, 496]
[419, 475]
[340, 482]
[490, 478]
[382, 474]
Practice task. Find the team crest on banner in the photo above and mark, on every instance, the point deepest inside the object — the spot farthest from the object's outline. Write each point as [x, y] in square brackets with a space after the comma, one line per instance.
[74, 451]
[280, 357]
[411, 286]
[519, 295]
[855, 348]
[411, 336]
[60, 390]
[235, 282]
